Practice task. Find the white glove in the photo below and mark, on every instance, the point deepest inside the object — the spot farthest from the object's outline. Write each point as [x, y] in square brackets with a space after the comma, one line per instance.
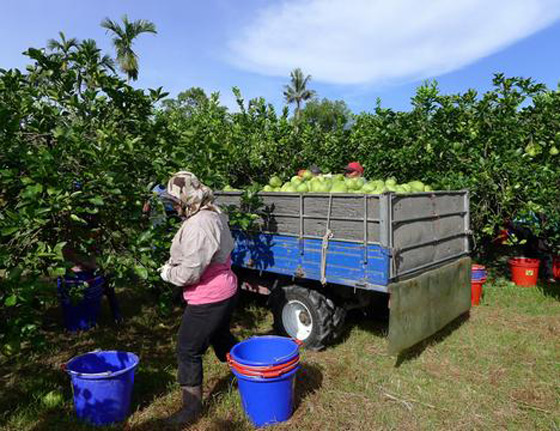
[164, 272]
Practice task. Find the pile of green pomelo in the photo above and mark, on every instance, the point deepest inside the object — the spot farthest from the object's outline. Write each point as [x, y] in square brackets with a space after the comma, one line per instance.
[306, 182]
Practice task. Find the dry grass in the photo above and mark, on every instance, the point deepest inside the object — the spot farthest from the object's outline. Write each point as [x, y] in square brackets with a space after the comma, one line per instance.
[498, 369]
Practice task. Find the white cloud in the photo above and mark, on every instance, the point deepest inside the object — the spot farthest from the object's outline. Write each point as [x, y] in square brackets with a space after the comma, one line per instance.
[374, 41]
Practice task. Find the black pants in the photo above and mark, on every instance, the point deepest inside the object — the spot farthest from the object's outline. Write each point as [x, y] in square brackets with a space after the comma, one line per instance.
[202, 326]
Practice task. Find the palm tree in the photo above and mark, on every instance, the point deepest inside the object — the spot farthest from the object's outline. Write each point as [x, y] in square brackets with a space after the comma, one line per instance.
[123, 39]
[93, 55]
[296, 91]
[64, 45]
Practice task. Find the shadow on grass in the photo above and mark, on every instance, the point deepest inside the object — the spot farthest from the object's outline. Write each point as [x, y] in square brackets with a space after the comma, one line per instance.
[309, 379]
[551, 290]
[250, 310]
[29, 377]
[31, 383]
[416, 350]
[226, 424]
[373, 319]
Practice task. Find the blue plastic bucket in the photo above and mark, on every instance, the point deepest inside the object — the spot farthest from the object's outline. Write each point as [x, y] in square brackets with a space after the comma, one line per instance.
[267, 401]
[478, 273]
[266, 368]
[102, 384]
[82, 315]
[265, 351]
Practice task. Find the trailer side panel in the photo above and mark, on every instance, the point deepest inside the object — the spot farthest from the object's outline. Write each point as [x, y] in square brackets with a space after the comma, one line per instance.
[423, 305]
[347, 264]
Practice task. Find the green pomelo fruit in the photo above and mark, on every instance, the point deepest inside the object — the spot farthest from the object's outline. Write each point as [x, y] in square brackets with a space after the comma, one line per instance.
[307, 175]
[416, 186]
[285, 186]
[339, 187]
[275, 182]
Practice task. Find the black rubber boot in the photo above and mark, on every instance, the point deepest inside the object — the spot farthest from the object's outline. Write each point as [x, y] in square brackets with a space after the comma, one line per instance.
[192, 406]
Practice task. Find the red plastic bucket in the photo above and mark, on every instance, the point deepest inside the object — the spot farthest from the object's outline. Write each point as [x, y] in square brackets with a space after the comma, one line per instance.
[524, 271]
[476, 292]
[556, 268]
[265, 372]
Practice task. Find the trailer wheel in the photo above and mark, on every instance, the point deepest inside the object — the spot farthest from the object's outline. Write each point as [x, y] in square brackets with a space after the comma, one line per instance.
[307, 315]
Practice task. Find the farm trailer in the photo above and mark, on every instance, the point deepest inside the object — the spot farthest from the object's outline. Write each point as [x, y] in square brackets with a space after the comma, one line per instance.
[319, 255]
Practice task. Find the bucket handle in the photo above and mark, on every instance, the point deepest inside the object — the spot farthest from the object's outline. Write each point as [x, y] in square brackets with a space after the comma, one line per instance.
[63, 368]
[64, 365]
[262, 368]
[299, 343]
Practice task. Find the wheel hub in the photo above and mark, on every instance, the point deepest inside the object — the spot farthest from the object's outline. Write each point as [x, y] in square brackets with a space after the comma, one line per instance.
[304, 318]
[297, 320]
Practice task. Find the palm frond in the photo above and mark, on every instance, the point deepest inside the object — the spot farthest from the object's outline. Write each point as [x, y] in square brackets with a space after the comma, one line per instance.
[123, 38]
[64, 45]
[111, 26]
[108, 62]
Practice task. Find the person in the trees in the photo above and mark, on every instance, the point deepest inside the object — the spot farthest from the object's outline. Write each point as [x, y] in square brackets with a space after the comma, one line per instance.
[354, 170]
[200, 262]
[314, 169]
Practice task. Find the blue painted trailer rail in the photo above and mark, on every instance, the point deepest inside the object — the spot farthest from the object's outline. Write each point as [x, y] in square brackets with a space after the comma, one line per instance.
[347, 263]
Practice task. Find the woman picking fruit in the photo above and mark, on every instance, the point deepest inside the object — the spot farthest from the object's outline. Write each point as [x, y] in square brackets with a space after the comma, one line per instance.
[200, 263]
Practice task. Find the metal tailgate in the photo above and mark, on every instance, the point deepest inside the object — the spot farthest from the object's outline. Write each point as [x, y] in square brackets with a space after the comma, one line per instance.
[423, 305]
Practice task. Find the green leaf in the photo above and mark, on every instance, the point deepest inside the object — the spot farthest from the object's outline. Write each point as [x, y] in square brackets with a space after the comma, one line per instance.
[141, 271]
[32, 191]
[97, 201]
[58, 272]
[144, 236]
[15, 273]
[10, 301]
[9, 230]
[77, 219]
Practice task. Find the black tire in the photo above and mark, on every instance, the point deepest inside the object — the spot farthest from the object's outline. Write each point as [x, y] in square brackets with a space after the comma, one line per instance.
[324, 318]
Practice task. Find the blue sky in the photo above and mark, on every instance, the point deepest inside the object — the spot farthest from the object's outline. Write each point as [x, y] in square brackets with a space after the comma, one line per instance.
[356, 50]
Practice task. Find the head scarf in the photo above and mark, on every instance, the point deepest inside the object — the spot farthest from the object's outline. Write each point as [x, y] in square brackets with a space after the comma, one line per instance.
[186, 189]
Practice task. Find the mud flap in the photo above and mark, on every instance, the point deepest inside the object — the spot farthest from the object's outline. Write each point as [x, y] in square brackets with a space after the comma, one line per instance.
[423, 305]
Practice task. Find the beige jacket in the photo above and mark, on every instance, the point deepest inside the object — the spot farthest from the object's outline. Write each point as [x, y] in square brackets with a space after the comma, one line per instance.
[202, 239]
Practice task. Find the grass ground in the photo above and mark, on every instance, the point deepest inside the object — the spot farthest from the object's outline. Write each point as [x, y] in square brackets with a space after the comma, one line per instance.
[497, 369]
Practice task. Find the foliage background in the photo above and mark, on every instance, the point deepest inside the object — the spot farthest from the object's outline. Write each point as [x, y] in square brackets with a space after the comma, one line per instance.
[81, 150]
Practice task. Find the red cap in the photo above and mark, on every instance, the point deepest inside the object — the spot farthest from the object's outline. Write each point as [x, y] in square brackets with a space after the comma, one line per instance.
[355, 167]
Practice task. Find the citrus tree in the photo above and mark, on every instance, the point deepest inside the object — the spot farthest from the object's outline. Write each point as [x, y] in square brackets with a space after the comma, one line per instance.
[79, 152]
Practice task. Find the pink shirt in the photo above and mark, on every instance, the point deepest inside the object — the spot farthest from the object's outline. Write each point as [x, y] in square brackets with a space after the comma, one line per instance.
[217, 283]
